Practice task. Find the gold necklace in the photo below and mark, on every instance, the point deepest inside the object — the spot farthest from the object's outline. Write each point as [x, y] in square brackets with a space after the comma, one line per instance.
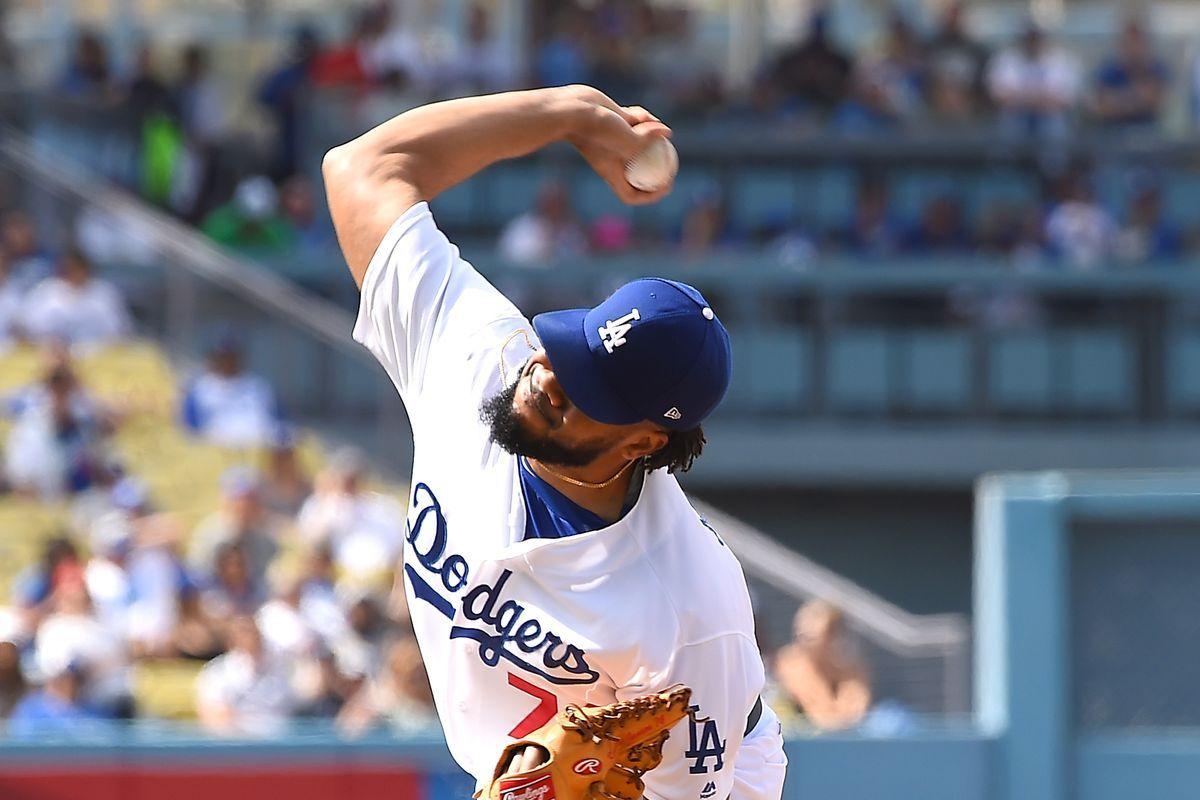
[586, 484]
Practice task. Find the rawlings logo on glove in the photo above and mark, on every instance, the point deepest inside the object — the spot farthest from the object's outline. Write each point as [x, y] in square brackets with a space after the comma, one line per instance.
[591, 753]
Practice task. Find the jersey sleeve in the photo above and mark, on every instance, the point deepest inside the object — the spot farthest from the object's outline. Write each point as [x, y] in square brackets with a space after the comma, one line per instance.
[421, 304]
[726, 677]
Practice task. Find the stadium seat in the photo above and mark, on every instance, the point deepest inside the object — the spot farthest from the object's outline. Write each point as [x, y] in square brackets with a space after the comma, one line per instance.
[1020, 372]
[936, 372]
[763, 199]
[1183, 369]
[858, 371]
[771, 369]
[166, 689]
[1099, 370]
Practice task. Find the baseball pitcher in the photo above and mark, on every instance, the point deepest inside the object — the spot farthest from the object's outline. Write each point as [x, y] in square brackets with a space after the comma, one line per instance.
[571, 606]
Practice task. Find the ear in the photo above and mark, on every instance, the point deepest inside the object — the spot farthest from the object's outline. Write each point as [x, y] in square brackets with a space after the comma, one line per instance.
[643, 442]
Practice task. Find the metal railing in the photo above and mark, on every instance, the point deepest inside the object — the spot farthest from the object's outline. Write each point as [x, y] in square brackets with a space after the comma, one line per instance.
[920, 661]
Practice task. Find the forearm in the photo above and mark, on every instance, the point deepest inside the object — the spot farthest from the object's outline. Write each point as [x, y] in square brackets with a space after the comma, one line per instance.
[435, 147]
[372, 180]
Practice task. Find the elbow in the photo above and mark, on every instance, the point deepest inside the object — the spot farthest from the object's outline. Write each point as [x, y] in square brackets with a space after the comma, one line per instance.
[351, 165]
[335, 164]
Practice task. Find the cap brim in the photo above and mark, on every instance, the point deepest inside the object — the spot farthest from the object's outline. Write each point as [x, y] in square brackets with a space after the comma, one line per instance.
[565, 341]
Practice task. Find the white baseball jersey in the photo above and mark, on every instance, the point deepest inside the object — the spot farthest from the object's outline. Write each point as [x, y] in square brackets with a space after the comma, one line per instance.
[514, 629]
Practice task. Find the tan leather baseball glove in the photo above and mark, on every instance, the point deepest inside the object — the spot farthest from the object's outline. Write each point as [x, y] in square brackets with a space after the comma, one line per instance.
[591, 753]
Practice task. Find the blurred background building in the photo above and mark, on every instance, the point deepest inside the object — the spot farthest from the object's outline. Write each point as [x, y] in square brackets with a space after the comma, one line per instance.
[949, 239]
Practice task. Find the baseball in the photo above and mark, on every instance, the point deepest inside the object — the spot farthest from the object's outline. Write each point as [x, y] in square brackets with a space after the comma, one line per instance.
[654, 168]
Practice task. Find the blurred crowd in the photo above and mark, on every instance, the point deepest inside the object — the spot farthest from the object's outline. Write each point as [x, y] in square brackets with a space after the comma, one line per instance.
[278, 593]
[1067, 227]
[936, 72]
[284, 592]
[283, 596]
[916, 69]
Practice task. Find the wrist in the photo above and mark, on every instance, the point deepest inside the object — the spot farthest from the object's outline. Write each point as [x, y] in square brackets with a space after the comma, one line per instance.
[577, 110]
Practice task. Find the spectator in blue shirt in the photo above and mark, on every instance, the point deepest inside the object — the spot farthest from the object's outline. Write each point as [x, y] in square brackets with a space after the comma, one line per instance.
[874, 229]
[1132, 84]
[229, 406]
[563, 58]
[1146, 234]
[57, 709]
[282, 93]
[88, 75]
[942, 229]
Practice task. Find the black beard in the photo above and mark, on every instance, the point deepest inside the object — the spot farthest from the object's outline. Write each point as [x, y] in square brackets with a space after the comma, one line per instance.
[507, 431]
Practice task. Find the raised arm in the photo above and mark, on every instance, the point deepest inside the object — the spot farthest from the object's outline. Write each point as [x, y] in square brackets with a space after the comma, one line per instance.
[375, 178]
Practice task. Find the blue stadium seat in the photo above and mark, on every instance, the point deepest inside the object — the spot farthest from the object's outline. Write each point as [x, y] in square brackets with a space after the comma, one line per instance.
[1181, 197]
[772, 368]
[509, 191]
[999, 186]
[456, 205]
[593, 198]
[827, 197]
[912, 190]
[936, 374]
[1020, 372]
[1099, 370]
[858, 371]
[670, 211]
[763, 199]
[1183, 372]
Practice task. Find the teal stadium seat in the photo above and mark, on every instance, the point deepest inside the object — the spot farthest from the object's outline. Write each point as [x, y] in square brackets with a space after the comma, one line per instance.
[1183, 372]
[456, 205]
[1099, 367]
[912, 190]
[999, 187]
[763, 199]
[593, 198]
[1021, 372]
[510, 190]
[771, 369]
[858, 371]
[670, 211]
[826, 199]
[936, 373]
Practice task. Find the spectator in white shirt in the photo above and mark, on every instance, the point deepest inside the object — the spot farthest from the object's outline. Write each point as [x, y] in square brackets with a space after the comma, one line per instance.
[363, 528]
[548, 231]
[1078, 229]
[74, 634]
[481, 65]
[399, 695]
[246, 691]
[75, 307]
[1035, 85]
[56, 444]
[228, 406]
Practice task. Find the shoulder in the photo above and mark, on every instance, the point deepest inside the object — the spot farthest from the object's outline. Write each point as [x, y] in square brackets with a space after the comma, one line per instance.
[414, 232]
[698, 575]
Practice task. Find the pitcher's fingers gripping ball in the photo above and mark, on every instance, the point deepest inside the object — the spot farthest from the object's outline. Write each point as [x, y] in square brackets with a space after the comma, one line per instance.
[591, 753]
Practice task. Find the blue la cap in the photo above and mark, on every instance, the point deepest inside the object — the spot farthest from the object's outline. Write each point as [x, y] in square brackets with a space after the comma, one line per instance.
[654, 350]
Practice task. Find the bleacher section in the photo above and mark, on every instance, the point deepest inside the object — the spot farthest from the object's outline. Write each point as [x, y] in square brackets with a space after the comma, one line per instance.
[182, 474]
